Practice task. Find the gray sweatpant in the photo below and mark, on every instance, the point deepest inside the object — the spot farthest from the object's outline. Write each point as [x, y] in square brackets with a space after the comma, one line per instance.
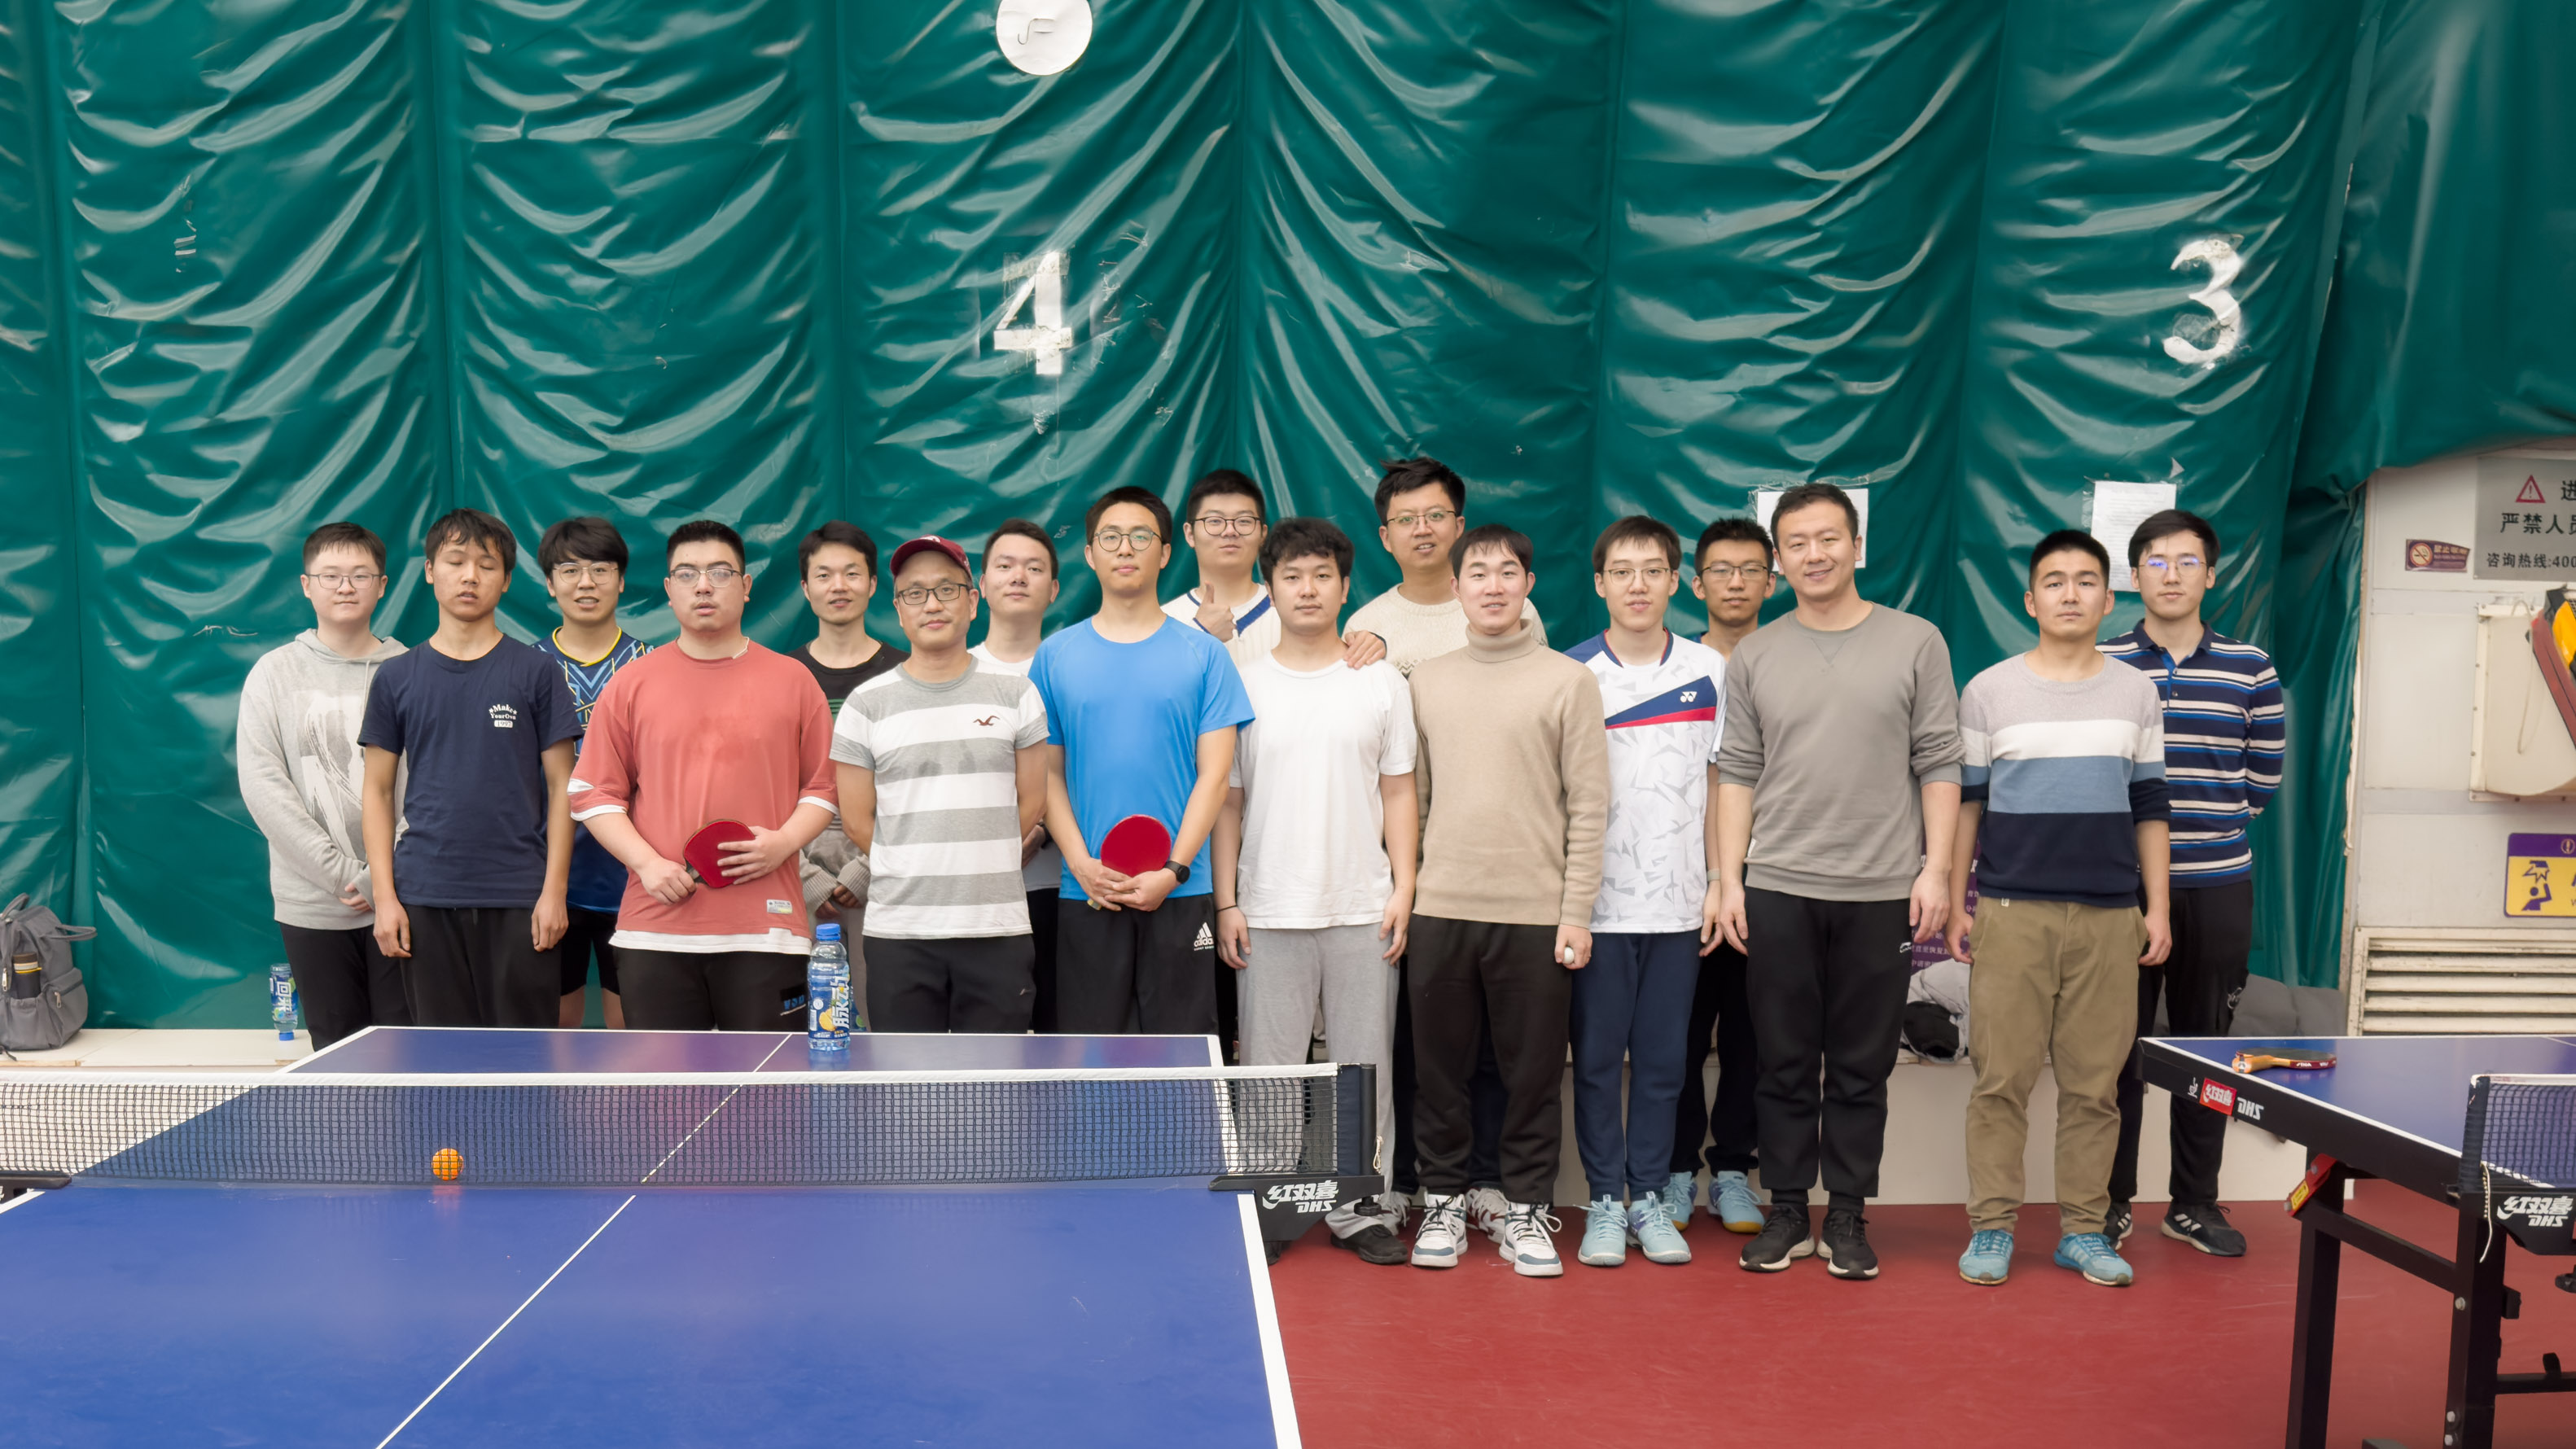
[1284, 974]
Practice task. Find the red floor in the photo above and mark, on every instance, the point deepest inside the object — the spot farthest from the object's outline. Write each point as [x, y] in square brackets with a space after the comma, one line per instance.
[2196, 1356]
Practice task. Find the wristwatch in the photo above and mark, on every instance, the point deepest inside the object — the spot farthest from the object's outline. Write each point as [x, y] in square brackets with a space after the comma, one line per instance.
[1180, 871]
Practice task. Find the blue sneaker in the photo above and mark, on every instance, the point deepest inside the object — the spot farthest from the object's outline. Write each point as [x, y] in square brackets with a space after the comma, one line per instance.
[1654, 1233]
[1605, 1234]
[2092, 1255]
[1730, 1197]
[1677, 1192]
[1989, 1257]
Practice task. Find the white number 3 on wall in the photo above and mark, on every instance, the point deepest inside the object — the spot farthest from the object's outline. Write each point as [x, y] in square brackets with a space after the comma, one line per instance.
[2202, 341]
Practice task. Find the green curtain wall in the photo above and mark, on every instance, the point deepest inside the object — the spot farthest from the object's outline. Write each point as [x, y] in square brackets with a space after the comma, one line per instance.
[266, 263]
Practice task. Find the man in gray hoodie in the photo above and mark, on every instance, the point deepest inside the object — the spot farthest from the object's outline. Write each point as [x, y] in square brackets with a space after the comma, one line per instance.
[297, 748]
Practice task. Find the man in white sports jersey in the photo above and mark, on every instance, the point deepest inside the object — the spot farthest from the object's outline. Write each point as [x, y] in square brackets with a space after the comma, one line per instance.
[1657, 911]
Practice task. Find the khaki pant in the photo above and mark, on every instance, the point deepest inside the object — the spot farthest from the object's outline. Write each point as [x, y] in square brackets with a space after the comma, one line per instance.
[2057, 981]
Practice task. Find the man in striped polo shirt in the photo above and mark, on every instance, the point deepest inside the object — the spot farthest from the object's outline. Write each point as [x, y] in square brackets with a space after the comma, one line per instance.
[942, 775]
[2223, 733]
[2062, 816]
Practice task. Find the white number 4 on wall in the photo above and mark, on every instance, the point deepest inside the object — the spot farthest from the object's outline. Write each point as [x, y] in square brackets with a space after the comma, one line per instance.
[1041, 292]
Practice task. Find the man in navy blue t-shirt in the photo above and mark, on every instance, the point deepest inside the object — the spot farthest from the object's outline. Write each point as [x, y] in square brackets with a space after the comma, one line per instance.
[1141, 712]
[471, 898]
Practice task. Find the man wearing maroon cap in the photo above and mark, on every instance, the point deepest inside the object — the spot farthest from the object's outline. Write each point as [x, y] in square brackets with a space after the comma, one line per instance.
[942, 775]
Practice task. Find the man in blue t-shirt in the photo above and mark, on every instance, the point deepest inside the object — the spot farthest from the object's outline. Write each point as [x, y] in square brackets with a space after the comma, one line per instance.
[584, 563]
[1142, 713]
[471, 898]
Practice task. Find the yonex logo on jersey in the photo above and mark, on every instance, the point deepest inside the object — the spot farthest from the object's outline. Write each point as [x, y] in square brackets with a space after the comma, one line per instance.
[504, 717]
[1689, 694]
[1203, 941]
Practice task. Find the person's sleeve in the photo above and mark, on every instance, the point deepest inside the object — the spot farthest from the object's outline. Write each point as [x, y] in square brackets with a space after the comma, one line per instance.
[268, 789]
[1421, 758]
[1976, 744]
[1398, 758]
[814, 751]
[560, 719]
[1033, 718]
[1222, 701]
[381, 724]
[1739, 741]
[1717, 741]
[603, 774]
[2267, 727]
[853, 737]
[1042, 678]
[1936, 751]
[1583, 746]
[2150, 794]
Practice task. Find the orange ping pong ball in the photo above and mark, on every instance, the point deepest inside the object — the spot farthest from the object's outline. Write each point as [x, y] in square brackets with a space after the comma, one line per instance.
[446, 1163]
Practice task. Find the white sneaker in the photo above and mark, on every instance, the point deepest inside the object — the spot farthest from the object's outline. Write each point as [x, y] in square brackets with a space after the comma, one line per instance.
[1444, 1231]
[1486, 1209]
[1527, 1242]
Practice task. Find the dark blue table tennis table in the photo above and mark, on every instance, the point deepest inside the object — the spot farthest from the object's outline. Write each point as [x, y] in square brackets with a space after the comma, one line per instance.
[1110, 1313]
[2392, 1107]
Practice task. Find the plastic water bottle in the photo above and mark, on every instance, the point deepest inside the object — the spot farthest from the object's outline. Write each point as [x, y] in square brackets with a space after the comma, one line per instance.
[281, 1000]
[827, 992]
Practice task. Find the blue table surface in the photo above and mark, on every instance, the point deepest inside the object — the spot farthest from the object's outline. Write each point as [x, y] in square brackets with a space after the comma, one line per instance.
[441, 1049]
[2418, 1085]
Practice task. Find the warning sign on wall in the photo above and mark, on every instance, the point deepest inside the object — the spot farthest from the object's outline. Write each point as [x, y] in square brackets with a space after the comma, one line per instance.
[2526, 523]
[2540, 875]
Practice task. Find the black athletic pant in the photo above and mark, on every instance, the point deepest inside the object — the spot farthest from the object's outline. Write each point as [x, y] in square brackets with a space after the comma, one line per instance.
[345, 983]
[1826, 982]
[586, 940]
[479, 966]
[1719, 1006]
[1042, 1004]
[1529, 999]
[979, 984]
[1136, 971]
[712, 990]
[1484, 1097]
[2201, 981]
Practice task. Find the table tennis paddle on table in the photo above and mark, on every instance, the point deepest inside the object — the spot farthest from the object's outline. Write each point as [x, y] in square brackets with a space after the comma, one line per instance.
[704, 854]
[1134, 846]
[2295, 1059]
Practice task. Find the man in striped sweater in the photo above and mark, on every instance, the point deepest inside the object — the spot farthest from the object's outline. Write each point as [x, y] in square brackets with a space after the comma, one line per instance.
[2223, 734]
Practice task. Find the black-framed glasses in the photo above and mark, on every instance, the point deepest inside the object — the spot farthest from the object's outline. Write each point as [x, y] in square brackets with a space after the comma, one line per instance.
[1433, 516]
[1755, 574]
[337, 582]
[1108, 540]
[687, 575]
[1239, 526]
[914, 597]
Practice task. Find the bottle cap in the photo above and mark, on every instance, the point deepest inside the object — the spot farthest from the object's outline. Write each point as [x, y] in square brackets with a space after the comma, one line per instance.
[828, 931]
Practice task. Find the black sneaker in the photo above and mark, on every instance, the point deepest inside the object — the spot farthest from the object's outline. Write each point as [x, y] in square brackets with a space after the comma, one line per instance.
[1375, 1244]
[2118, 1223]
[2204, 1226]
[1782, 1241]
[1845, 1248]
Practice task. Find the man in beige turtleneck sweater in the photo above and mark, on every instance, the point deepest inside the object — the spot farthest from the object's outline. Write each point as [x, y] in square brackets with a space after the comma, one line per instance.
[1515, 781]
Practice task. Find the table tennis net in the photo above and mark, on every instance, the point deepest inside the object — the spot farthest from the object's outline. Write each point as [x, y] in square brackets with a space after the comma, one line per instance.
[699, 1130]
[2523, 1128]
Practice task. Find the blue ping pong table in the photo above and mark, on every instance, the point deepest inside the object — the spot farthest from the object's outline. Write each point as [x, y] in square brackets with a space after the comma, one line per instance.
[1110, 1313]
[2395, 1108]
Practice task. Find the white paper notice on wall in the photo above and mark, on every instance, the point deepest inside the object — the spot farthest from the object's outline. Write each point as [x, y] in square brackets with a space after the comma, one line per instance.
[2118, 509]
[1766, 499]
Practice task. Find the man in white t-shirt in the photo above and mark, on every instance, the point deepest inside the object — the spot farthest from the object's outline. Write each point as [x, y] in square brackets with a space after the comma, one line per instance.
[1224, 520]
[1019, 583]
[1663, 704]
[1316, 846]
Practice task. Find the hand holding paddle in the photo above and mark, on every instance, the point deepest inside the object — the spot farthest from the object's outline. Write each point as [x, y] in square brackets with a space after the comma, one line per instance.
[1135, 847]
[763, 854]
[2259, 1059]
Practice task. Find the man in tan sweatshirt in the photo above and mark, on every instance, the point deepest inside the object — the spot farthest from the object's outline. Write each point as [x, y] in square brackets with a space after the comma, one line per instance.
[1515, 780]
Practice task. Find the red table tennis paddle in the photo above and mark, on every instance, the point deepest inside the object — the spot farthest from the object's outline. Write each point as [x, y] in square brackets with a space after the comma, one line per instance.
[2265, 1058]
[1136, 845]
[704, 854]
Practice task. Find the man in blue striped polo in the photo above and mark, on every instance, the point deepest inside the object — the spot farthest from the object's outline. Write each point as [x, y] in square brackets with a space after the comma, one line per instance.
[2223, 733]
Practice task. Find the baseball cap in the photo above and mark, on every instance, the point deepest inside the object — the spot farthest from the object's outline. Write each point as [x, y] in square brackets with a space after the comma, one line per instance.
[948, 546]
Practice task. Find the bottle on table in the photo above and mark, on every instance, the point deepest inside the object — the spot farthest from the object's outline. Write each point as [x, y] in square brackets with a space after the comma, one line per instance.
[827, 991]
[281, 1000]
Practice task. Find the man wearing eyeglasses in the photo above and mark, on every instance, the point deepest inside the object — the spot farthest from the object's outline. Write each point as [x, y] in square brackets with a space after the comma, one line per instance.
[2224, 729]
[1422, 513]
[584, 563]
[942, 775]
[1141, 712]
[1225, 521]
[297, 749]
[712, 728]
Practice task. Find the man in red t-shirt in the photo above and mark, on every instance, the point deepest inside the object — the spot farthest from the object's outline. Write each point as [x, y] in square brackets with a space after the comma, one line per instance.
[713, 728]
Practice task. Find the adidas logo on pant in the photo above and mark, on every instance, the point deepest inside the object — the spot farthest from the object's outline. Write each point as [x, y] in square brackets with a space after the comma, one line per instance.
[1205, 941]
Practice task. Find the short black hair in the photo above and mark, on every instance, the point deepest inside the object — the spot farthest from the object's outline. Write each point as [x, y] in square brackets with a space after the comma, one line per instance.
[2070, 540]
[1297, 538]
[1734, 530]
[1489, 535]
[1406, 474]
[1225, 483]
[586, 537]
[1023, 528]
[848, 535]
[1808, 495]
[1149, 501]
[706, 530]
[2166, 525]
[1637, 528]
[344, 535]
[472, 527]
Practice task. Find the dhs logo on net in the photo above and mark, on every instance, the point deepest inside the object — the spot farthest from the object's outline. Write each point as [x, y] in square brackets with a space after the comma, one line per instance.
[2539, 1212]
[1305, 1197]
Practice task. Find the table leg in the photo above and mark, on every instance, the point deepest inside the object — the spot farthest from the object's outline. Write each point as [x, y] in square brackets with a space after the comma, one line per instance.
[2477, 1331]
[2312, 1332]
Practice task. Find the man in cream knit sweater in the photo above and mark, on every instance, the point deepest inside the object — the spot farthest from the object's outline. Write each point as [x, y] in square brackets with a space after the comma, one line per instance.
[1514, 774]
